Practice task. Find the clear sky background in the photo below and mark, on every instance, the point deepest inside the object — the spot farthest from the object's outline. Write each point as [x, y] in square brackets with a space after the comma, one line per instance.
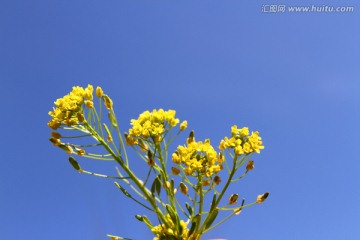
[295, 77]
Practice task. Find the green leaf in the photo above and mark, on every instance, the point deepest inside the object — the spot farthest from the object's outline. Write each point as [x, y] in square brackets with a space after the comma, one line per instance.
[156, 186]
[212, 218]
[174, 217]
[74, 163]
[190, 210]
[213, 202]
[194, 223]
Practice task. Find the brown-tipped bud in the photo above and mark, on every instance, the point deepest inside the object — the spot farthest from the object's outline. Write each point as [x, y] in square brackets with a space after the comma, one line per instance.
[262, 198]
[109, 139]
[80, 152]
[68, 149]
[56, 135]
[143, 147]
[191, 137]
[80, 117]
[157, 139]
[108, 102]
[250, 166]
[151, 161]
[233, 199]
[130, 140]
[99, 92]
[175, 171]
[183, 188]
[221, 158]
[206, 183]
[167, 185]
[55, 141]
[217, 180]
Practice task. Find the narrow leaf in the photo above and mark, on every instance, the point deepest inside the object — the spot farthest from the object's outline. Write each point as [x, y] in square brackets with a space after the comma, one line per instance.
[212, 218]
[213, 202]
[190, 210]
[74, 163]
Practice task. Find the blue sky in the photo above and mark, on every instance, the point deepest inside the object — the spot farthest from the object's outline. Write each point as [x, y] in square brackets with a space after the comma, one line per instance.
[292, 76]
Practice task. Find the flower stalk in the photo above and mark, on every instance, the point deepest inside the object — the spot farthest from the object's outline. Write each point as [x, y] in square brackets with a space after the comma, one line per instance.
[193, 170]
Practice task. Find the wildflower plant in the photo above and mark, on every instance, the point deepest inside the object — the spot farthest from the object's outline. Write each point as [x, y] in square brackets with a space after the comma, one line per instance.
[191, 172]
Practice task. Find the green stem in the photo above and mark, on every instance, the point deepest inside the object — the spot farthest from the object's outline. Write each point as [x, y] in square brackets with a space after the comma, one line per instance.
[133, 177]
[221, 194]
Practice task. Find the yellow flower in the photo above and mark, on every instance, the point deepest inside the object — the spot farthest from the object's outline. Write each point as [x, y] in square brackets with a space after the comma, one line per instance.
[198, 157]
[183, 125]
[99, 92]
[153, 124]
[241, 142]
[89, 103]
[68, 107]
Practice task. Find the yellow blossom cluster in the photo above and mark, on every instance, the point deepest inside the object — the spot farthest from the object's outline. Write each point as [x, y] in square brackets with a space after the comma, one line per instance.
[151, 125]
[199, 157]
[242, 142]
[68, 107]
[163, 233]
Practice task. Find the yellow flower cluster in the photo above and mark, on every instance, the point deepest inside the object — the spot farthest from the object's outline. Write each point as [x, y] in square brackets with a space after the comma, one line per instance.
[242, 142]
[151, 124]
[199, 157]
[163, 233]
[68, 107]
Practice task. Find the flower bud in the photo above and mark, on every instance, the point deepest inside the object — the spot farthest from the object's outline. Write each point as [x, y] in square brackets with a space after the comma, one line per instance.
[80, 117]
[183, 125]
[55, 142]
[56, 135]
[150, 157]
[108, 102]
[250, 165]
[175, 170]
[99, 92]
[89, 103]
[262, 198]
[183, 188]
[191, 137]
[233, 199]
[206, 182]
[80, 152]
[217, 180]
